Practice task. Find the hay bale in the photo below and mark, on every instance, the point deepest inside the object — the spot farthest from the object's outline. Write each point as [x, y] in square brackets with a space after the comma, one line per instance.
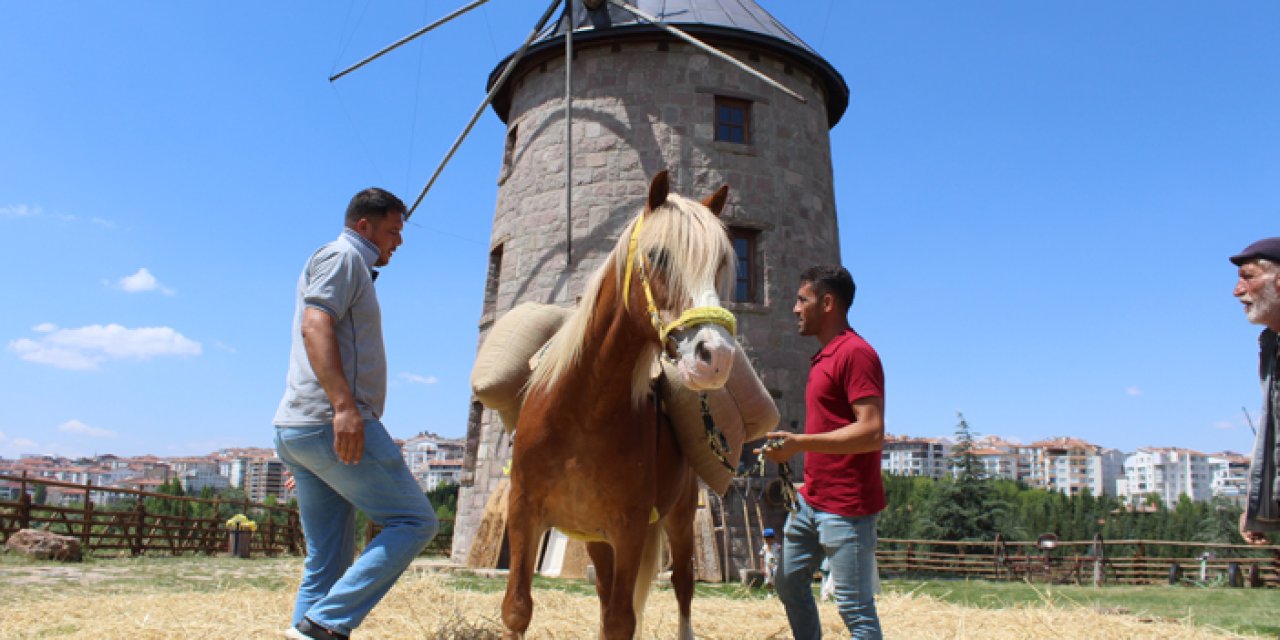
[502, 364]
[742, 410]
[44, 545]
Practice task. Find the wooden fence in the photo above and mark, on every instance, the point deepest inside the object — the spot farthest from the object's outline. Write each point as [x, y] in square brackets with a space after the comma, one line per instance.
[1095, 561]
[105, 528]
[112, 521]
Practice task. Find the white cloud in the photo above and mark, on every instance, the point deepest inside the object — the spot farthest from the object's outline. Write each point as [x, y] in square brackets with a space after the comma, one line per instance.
[80, 428]
[225, 347]
[87, 347]
[33, 351]
[24, 442]
[417, 379]
[142, 281]
[1224, 425]
[1133, 391]
[33, 212]
[19, 211]
[44, 327]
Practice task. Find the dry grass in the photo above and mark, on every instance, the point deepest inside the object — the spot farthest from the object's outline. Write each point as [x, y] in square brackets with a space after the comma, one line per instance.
[428, 605]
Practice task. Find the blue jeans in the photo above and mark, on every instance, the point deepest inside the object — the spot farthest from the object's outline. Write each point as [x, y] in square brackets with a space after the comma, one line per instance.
[335, 593]
[850, 546]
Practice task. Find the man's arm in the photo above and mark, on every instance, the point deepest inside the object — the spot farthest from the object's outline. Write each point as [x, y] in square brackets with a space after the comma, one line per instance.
[326, 362]
[865, 434]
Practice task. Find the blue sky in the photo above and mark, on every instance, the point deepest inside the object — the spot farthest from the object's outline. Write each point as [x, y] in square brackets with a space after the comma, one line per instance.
[1036, 199]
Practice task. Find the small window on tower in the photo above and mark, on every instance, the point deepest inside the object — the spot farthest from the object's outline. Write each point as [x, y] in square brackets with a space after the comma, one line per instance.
[733, 120]
[491, 282]
[509, 152]
[745, 286]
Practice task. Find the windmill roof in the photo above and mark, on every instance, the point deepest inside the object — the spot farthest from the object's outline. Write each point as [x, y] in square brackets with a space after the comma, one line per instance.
[740, 21]
[744, 15]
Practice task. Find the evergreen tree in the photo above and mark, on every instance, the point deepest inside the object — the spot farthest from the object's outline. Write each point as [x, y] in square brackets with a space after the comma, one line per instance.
[966, 507]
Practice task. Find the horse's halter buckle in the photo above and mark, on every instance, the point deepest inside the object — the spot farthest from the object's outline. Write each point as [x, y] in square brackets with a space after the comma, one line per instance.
[696, 315]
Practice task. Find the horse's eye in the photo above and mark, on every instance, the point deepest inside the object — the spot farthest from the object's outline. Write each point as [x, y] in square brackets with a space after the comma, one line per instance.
[660, 259]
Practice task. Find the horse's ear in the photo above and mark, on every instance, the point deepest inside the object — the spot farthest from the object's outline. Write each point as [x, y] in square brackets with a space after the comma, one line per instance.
[658, 190]
[716, 201]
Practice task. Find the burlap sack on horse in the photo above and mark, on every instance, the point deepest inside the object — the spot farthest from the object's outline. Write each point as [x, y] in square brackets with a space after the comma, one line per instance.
[742, 410]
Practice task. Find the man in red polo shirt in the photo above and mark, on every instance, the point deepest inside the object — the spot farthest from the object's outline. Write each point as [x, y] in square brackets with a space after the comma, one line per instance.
[843, 490]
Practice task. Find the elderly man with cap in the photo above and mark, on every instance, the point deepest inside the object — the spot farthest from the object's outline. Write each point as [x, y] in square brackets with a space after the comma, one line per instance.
[1259, 289]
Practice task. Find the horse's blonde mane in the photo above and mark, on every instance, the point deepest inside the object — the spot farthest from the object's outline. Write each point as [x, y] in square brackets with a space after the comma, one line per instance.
[698, 256]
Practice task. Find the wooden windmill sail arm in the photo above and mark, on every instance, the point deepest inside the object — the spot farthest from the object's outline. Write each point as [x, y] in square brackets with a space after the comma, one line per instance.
[406, 39]
[706, 47]
[506, 72]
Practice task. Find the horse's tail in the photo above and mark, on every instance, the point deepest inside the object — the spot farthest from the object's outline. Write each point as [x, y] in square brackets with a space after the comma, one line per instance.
[649, 560]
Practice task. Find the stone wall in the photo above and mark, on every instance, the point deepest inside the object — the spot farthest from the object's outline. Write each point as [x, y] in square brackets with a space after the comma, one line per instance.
[640, 107]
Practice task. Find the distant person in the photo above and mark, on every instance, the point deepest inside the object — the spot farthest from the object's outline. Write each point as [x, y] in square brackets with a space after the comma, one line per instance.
[843, 491]
[328, 432]
[1259, 289]
[769, 552]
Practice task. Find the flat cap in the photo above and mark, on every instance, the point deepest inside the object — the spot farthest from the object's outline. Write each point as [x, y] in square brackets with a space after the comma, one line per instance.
[1268, 248]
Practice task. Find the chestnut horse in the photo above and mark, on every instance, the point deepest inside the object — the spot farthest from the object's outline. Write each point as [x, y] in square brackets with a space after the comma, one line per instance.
[592, 455]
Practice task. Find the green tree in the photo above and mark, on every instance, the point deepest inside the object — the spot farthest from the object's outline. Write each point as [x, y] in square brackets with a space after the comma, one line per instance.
[966, 507]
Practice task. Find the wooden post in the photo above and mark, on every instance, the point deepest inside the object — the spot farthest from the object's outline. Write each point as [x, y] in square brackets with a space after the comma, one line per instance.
[724, 530]
[997, 555]
[87, 518]
[139, 522]
[24, 505]
[296, 541]
[1099, 557]
[910, 547]
[746, 524]
[270, 548]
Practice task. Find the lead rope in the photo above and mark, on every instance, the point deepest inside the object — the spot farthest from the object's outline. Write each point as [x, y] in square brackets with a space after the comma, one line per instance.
[789, 498]
[719, 446]
[716, 441]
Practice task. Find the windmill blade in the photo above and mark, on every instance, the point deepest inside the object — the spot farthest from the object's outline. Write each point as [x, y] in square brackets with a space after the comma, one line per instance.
[506, 71]
[706, 47]
[406, 39]
[568, 134]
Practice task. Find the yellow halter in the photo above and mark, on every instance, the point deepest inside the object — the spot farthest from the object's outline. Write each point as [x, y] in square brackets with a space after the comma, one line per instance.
[694, 316]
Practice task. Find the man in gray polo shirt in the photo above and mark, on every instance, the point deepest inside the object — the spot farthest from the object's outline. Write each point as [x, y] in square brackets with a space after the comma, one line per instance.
[329, 435]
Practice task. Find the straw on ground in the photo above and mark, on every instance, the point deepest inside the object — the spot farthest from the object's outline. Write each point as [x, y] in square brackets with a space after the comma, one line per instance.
[428, 604]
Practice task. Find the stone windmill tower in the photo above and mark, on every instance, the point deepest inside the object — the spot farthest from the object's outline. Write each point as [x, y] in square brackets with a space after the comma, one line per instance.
[644, 100]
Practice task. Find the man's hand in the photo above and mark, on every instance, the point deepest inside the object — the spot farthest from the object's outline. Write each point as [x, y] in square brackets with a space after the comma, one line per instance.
[1252, 537]
[780, 446]
[348, 436]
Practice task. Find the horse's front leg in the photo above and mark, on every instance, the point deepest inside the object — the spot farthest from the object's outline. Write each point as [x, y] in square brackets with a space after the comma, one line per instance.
[523, 535]
[618, 618]
[602, 559]
[678, 525]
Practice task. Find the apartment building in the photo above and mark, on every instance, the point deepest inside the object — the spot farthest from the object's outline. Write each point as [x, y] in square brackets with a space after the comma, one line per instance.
[997, 463]
[1229, 476]
[264, 477]
[1167, 472]
[907, 456]
[1071, 465]
[434, 460]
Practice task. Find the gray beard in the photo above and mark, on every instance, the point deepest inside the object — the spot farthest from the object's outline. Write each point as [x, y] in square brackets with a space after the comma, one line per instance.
[1265, 307]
